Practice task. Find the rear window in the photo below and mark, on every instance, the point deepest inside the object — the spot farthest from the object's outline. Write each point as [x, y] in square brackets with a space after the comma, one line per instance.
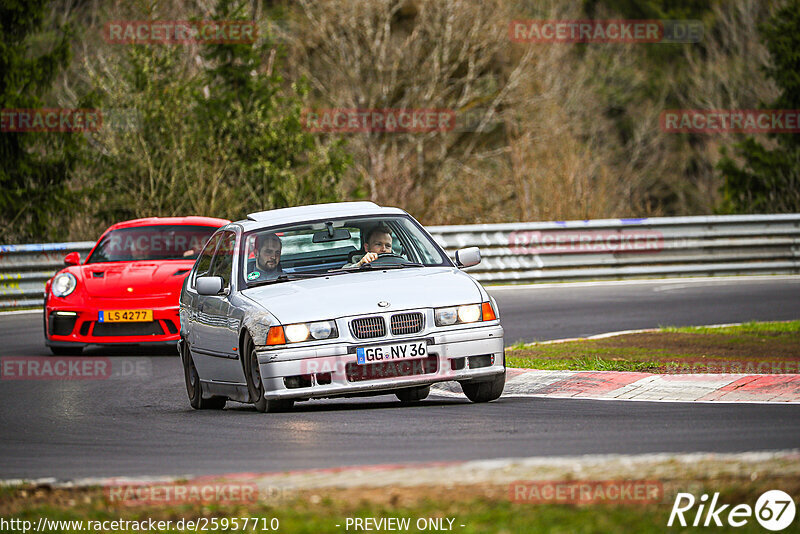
[152, 243]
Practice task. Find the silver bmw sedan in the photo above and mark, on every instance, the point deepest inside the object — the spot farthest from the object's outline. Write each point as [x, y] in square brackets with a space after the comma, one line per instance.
[334, 300]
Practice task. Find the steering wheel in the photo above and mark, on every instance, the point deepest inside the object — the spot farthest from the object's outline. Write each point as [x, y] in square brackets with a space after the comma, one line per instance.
[388, 256]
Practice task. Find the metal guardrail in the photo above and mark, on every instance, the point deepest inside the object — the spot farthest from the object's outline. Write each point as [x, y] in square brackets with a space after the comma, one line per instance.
[24, 269]
[530, 252]
[630, 248]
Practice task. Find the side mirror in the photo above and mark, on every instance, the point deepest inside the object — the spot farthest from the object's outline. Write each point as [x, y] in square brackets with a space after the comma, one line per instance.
[467, 257]
[73, 258]
[209, 285]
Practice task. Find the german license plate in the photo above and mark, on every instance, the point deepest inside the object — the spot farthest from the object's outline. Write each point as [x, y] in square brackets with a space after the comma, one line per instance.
[125, 316]
[388, 353]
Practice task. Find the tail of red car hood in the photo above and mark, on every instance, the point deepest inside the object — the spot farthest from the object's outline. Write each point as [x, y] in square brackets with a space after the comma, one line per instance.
[139, 278]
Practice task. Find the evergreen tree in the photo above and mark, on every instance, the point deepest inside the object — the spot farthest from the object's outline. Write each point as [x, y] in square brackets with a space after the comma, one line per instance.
[35, 165]
[221, 135]
[768, 178]
[253, 121]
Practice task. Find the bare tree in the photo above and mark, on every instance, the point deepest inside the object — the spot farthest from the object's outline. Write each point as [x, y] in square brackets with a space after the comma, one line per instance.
[536, 144]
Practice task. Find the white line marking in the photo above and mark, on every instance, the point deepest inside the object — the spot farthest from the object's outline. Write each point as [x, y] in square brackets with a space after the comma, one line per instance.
[563, 397]
[21, 312]
[626, 332]
[471, 466]
[679, 280]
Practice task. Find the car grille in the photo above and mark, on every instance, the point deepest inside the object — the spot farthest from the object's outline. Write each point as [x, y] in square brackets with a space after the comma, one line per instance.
[395, 369]
[61, 326]
[152, 328]
[368, 327]
[85, 326]
[170, 326]
[406, 323]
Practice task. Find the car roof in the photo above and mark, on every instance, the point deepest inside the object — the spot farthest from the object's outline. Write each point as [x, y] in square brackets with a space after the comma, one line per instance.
[189, 221]
[315, 212]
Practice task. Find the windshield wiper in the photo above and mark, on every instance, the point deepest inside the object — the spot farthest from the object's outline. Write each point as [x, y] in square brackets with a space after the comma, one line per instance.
[286, 277]
[394, 266]
[369, 266]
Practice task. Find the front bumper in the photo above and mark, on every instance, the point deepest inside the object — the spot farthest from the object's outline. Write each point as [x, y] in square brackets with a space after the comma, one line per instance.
[331, 370]
[77, 326]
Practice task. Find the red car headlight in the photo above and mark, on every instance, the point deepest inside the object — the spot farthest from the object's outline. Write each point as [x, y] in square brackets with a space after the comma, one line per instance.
[63, 284]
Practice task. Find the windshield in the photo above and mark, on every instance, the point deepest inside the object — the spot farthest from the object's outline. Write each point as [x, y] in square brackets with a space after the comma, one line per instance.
[335, 245]
[148, 243]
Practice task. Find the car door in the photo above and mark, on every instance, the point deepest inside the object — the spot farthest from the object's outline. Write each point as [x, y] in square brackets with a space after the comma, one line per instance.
[215, 352]
[190, 298]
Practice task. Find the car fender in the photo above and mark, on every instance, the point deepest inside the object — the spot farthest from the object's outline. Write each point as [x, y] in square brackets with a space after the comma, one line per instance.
[257, 324]
[78, 296]
[484, 294]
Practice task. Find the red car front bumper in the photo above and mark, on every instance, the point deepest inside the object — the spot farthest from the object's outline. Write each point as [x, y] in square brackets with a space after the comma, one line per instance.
[75, 326]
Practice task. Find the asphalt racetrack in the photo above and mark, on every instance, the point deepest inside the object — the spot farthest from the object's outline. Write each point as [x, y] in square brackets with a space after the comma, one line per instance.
[140, 423]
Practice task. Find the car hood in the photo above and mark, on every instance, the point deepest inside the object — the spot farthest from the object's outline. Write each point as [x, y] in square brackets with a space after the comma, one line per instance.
[359, 293]
[132, 279]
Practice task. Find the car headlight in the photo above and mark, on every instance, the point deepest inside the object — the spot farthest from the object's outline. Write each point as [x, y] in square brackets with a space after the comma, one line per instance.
[63, 284]
[446, 316]
[468, 313]
[322, 329]
[295, 333]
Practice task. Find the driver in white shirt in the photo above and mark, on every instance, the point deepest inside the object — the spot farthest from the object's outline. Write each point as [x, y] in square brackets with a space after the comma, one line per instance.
[379, 241]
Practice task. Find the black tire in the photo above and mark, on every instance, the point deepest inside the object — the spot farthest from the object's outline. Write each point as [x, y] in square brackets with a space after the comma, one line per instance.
[256, 387]
[193, 388]
[485, 391]
[415, 394]
[66, 351]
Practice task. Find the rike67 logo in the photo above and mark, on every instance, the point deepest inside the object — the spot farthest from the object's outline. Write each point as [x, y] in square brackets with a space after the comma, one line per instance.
[774, 510]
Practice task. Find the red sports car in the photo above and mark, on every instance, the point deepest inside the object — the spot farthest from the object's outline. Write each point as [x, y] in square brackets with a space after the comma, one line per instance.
[127, 290]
